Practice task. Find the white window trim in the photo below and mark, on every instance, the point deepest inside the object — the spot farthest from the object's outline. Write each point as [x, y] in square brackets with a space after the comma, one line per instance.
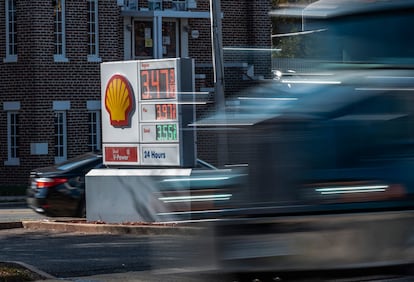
[11, 108]
[61, 58]
[9, 57]
[94, 58]
[61, 105]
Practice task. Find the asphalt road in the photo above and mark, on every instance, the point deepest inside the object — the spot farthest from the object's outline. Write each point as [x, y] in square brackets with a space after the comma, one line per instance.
[68, 255]
[73, 255]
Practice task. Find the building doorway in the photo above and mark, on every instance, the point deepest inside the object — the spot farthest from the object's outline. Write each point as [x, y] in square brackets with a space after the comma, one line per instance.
[153, 42]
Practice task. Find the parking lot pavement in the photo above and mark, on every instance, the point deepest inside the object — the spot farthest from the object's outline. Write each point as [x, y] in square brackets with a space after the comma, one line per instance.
[82, 226]
[143, 229]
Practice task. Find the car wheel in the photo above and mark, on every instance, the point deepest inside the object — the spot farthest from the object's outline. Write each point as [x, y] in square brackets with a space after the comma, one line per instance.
[82, 209]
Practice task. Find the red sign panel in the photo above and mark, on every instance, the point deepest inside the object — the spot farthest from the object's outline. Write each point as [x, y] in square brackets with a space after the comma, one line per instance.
[121, 154]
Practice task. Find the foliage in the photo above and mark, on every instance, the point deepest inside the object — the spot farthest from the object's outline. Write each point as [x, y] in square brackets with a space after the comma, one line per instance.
[10, 272]
[291, 46]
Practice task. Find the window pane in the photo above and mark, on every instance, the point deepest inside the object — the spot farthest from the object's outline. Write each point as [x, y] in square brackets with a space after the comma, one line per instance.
[58, 28]
[60, 134]
[144, 45]
[94, 131]
[13, 137]
[11, 47]
[169, 42]
[92, 27]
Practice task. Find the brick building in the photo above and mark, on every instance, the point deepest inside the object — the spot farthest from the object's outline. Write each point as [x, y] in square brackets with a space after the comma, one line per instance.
[52, 50]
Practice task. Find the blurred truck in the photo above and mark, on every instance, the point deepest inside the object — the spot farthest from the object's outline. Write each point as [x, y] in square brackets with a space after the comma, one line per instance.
[331, 180]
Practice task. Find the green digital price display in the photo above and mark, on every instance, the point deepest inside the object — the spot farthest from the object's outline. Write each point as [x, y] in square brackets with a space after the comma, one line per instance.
[158, 84]
[166, 132]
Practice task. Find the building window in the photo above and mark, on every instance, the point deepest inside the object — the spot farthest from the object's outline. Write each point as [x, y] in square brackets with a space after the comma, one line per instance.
[93, 31]
[94, 126]
[169, 39]
[60, 136]
[11, 35]
[13, 134]
[59, 31]
[144, 42]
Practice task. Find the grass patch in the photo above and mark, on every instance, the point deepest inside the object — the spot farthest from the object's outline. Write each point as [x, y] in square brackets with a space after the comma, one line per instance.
[11, 272]
[12, 190]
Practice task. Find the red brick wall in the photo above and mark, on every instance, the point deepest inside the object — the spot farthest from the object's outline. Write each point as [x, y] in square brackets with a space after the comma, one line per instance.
[35, 80]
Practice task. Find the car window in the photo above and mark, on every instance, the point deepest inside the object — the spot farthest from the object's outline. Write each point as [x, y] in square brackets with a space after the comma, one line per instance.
[358, 39]
[375, 128]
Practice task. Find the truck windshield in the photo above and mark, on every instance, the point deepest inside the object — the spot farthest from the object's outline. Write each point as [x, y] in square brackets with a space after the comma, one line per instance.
[385, 38]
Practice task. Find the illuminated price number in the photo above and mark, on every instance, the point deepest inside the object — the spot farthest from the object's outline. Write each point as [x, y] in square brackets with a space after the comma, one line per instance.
[166, 132]
[158, 84]
[165, 111]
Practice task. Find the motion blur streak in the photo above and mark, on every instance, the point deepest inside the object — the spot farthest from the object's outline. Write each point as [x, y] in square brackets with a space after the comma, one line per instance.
[223, 197]
[356, 189]
[268, 99]
[310, 81]
[331, 168]
[196, 179]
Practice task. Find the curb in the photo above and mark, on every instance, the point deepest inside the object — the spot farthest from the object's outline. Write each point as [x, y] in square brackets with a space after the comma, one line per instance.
[112, 228]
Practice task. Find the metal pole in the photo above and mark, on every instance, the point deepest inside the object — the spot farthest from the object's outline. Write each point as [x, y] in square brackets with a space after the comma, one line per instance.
[217, 48]
[218, 68]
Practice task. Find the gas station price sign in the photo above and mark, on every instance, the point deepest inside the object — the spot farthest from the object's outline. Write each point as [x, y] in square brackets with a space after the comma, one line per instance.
[153, 130]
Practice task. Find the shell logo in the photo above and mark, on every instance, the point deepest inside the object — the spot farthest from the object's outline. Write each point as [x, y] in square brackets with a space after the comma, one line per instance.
[119, 100]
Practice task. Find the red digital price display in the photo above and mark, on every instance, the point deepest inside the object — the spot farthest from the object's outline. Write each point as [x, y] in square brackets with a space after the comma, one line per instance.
[165, 111]
[158, 84]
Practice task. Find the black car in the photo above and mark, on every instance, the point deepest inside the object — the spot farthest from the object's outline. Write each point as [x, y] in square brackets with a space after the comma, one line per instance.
[59, 190]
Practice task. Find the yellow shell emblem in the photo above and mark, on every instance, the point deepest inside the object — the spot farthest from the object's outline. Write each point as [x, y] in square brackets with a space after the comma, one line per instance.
[118, 100]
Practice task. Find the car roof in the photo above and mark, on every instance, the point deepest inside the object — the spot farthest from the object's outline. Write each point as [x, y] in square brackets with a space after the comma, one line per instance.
[78, 161]
[336, 8]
